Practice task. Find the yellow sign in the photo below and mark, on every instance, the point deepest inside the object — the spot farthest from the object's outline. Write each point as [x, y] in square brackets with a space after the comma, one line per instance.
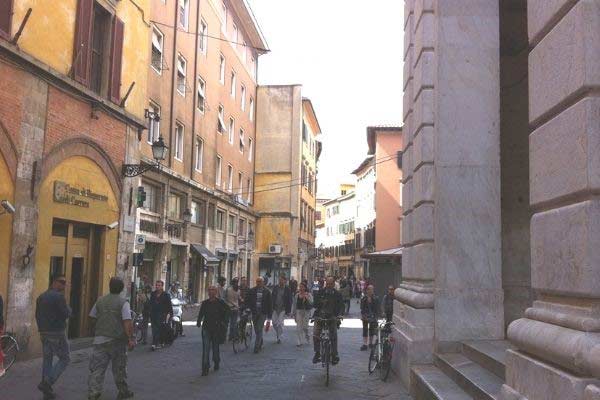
[67, 194]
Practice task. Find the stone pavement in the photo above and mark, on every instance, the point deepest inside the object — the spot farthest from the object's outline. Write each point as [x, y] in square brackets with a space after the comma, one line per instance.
[279, 372]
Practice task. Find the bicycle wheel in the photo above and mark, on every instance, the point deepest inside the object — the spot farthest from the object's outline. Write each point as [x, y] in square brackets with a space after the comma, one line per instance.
[10, 348]
[374, 358]
[385, 364]
[326, 361]
[138, 332]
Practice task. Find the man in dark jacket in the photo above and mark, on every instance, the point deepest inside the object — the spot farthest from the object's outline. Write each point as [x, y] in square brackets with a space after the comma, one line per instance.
[388, 304]
[160, 310]
[213, 317]
[259, 301]
[328, 305]
[51, 314]
[113, 336]
[282, 306]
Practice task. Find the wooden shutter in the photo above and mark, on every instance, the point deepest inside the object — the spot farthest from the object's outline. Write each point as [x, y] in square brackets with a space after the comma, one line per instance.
[116, 57]
[6, 12]
[83, 40]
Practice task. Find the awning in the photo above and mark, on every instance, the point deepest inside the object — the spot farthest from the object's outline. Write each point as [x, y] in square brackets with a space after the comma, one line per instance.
[395, 252]
[227, 254]
[205, 253]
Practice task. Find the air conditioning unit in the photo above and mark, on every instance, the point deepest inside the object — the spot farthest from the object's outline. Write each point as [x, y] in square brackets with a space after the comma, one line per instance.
[275, 249]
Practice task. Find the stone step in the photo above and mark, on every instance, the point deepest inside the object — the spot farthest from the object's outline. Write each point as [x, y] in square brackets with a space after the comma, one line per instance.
[474, 379]
[430, 383]
[490, 354]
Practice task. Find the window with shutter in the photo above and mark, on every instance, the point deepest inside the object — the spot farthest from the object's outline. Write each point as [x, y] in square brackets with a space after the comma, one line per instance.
[83, 38]
[6, 11]
[116, 59]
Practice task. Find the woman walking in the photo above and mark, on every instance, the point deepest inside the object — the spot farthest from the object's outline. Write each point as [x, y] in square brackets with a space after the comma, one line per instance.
[369, 309]
[303, 305]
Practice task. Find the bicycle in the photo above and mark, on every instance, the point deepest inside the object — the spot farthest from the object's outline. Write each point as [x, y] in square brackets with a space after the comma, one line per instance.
[244, 332]
[138, 327]
[325, 343]
[10, 347]
[381, 352]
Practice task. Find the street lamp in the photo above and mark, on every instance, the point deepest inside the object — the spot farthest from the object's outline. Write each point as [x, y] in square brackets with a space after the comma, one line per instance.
[159, 153]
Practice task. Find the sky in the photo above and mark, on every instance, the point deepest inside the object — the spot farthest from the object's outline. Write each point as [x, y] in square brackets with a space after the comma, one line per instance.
[347, 54]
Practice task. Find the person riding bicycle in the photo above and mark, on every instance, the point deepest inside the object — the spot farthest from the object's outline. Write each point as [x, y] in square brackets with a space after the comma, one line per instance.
[328, 303]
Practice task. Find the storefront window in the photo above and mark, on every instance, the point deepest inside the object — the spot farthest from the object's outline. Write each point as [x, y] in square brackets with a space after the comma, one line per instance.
[60, 228]
[174, 206]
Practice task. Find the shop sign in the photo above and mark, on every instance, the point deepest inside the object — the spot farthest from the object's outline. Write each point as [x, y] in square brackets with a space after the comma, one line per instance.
[67, 194]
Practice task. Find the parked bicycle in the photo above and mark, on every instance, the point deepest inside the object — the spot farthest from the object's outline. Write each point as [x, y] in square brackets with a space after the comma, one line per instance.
[10, 348]
[381, 352]
[242, 340]
[325, 343]
[138, 327]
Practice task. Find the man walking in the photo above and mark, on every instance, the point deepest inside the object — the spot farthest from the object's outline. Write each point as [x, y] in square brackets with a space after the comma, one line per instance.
[282, 306]
[51, 314]
[113, 336]
[221, 288]
[293, 286]
[160, 310]
[212, 317]
[260, 303]
[232, 299]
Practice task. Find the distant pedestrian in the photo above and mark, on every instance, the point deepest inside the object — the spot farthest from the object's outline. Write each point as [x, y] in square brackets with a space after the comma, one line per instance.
[221, 281]
[232, 299]
[346, 295]
[293, 286]
[113, 336]
[161, 310]
[243, 292]
[260, 303]
[2, 370]
[51, 314]
[388, 304]
[282, 306]
[212, 317]
[369, 309]
[143, 307]
[302, 306]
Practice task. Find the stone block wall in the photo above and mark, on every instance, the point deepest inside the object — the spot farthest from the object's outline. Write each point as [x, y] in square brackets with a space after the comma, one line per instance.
[558, 340]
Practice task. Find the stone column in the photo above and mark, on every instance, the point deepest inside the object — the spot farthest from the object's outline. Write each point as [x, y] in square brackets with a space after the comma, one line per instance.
[452, 288]
[20, 302]
[466, 176]
[558, 340]
[413, 308]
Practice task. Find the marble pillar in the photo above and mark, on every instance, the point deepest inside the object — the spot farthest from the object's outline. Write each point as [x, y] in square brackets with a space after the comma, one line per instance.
[558, 338]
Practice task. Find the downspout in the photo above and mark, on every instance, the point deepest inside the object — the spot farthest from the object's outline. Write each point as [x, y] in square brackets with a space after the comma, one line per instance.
[195, 95]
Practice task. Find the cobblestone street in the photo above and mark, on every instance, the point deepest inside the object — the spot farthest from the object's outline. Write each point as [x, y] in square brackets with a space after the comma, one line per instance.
[279, 372]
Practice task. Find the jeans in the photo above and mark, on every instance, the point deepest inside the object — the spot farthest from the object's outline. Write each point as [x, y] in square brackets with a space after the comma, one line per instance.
[302, 318]
[144, 328]
[210, 341]
[233, 324]
[347, 303]
[278, 318]
[332, 336]
[156, 332]
[54, 345]
[114, 352]
[259, 326]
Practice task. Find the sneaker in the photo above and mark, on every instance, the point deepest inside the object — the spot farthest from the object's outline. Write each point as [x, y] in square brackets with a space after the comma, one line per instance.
[317, 358]
[216, 368]
[46, 388]
[299, 345]
[278, 341]
[204, 372]
[363, 347]
[335, 359]
[125, 395]
[153, 347]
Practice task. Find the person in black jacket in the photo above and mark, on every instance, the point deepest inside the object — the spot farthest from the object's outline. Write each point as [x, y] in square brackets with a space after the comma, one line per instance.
[160, 311]
[51, 314]
[328, 304]
[213, 317]
[369, 310]
[260, 302]
[282, 305]
[388, 304]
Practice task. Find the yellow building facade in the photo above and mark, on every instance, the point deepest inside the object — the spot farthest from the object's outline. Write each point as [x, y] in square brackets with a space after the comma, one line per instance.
[71, 109]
